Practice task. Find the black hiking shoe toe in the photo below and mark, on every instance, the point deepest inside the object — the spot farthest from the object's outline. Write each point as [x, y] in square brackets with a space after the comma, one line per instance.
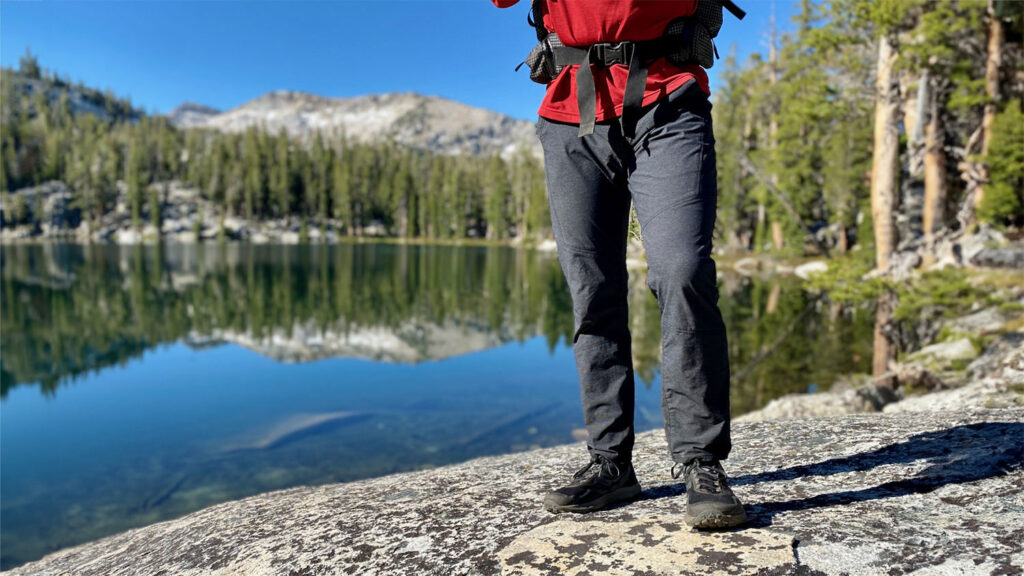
[593, 488]
[710, 502]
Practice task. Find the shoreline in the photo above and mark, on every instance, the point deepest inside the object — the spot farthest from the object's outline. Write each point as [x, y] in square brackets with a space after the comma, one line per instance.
[976, 361]
[542, 244]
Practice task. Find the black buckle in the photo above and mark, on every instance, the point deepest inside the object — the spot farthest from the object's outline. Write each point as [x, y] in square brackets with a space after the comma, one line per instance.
[608, 53]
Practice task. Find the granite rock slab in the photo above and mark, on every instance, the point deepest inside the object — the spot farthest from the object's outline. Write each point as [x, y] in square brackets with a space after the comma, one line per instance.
[926, 493]
[870, 398]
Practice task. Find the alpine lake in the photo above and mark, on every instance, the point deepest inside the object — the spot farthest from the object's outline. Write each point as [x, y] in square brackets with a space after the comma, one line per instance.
[142, 383]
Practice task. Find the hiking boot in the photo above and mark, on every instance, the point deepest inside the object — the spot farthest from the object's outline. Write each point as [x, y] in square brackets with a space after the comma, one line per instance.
[599, 484]
[710, 502]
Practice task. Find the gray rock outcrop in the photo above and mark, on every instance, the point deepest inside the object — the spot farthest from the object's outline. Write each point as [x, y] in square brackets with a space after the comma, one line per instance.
[869, 398]
[191, 114]
[47, 209]
[415, 120]
[939, 493]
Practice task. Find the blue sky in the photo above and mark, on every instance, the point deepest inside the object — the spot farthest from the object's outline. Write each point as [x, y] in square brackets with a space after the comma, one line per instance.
[225, 53]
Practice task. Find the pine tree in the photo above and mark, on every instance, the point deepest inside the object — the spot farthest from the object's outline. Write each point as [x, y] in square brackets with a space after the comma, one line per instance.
[254, 174]
[341, 179]
[28, 65]
[133, 179]
[1003, 202]
[951, 79]
[538, 216]
[497, 201]
[280, 176]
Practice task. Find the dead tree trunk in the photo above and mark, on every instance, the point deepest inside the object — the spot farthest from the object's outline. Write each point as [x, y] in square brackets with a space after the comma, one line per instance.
[935, 188]
[885, 163]
[993, 61]
[884, 351]
[778, 239]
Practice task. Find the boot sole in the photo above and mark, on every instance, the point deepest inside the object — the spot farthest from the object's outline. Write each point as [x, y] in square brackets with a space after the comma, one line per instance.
[620, 495]
[712, 520]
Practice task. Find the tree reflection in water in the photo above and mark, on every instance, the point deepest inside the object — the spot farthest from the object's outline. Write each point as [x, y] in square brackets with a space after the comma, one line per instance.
[71, 310]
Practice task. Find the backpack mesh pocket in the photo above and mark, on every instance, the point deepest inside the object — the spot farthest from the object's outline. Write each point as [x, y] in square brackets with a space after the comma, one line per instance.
[541, 60]
[690, 39]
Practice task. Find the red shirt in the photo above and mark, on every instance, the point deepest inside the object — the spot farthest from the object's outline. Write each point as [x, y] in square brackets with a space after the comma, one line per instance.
[585, 22]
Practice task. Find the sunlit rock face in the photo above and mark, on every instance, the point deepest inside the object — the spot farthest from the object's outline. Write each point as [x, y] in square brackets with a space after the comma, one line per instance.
[939, 493]
[191, 115]
[79, 102]
[409, 119]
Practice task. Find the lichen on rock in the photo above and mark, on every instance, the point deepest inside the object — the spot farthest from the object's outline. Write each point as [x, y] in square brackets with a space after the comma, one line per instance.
[936, 493]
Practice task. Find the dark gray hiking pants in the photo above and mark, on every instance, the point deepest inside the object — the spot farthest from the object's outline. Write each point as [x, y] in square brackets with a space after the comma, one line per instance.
[668, 170]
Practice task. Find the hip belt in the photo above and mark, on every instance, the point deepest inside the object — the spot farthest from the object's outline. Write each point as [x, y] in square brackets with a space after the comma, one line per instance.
[635, 55]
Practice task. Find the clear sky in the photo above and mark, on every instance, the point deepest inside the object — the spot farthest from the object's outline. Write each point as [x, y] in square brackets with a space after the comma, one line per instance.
[225, 53]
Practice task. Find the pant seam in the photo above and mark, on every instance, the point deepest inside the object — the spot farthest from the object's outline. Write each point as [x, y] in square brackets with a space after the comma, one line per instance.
[699, 182]
[579, 250]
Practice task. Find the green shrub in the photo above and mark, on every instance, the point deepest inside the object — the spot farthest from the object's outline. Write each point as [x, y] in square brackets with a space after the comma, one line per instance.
[844, 280]
[1003, 202]
[945, 293]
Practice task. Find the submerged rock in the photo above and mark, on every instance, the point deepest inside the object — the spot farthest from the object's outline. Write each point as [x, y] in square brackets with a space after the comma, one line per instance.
[939, 493]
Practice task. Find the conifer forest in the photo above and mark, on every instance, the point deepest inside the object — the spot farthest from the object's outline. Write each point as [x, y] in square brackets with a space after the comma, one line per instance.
[873, 123]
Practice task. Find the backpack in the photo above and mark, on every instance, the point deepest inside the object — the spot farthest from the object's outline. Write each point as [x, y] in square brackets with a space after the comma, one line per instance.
[686, 40]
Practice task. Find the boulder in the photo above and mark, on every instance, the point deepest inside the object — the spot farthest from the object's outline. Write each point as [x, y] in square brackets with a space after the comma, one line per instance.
[547, 245]
[1002, 354]
[747, 266]
[987, 393]
[945, 353]
[981, 322]
[805, 271]
[868, 398]
[970, 245]
[914, 377]
[1011, 257]
[129, 236]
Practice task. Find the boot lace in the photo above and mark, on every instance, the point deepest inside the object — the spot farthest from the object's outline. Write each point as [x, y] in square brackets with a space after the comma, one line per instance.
[604, 465]
[707, 475]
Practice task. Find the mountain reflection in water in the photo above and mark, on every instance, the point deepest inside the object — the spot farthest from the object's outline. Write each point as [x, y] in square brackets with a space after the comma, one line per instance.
[142, 383]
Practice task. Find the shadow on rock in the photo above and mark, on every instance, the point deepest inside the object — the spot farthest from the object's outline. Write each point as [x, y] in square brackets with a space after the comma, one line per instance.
[955, 455]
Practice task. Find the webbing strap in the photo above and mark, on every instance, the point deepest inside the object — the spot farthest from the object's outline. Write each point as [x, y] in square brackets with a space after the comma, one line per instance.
[636, 81]
[633, 97]
[586, 97]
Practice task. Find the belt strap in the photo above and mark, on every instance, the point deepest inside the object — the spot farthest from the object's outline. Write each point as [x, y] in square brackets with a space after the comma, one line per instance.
[586, 97]
[634, 54]
[633, 98]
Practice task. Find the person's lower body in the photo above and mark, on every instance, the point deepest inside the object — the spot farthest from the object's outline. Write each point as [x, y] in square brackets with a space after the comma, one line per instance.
[668, 172]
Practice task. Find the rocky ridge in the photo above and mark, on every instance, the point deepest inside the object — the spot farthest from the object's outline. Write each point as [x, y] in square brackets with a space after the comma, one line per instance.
[79, 102]
[409, 119]
[191, 114]
[822, 496]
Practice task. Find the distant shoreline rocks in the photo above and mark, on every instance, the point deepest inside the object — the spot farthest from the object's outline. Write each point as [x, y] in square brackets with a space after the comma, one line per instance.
[186, 218]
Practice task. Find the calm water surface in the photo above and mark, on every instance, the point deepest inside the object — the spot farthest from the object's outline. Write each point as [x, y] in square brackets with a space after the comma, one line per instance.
[142, 383]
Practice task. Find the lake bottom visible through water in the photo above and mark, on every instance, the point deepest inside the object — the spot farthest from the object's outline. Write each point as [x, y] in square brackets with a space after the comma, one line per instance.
[144, 383]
